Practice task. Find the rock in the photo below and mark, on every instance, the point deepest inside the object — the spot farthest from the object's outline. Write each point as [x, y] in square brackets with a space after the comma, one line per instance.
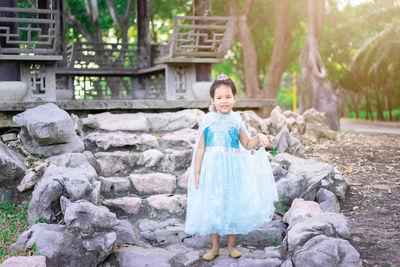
[183, 180]
[166, 206]
[25, 261]
[150, 158]
[199, 242]
[326, 251]
[328, 224]
[106, 121]
[191, 258]
[115, 185]
[274, 252]
[253, 120]
[301, 209]
[172, 121]
[246, 262]
[77, 124]
[32, 177]
[107, 140]
[301, 124]
[304, 177]
[327, 201]
[118, 163]
[83, 215]
[91, 159]
[143, 257]
[270, 234]
[162, 233]
[176, 160]
[278, 171]
[184, 137]
[9, 137]
[125, 233]
[316, 126]
[47, 130]
[153, 183]
[61, 247]
[336, 183]
[277, 119]
[290, 114]
[12, 164]
[130, 205]
[287, 143]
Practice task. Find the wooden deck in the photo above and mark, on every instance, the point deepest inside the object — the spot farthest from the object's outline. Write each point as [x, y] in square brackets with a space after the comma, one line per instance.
[84, 107]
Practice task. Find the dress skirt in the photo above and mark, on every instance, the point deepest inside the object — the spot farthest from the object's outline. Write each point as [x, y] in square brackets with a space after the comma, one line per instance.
[235, 195]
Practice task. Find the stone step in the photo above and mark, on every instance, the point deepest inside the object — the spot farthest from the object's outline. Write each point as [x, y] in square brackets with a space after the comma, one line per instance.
[123, 163]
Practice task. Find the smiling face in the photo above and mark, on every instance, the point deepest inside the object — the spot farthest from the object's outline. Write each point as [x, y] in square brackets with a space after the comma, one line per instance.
[223, 99]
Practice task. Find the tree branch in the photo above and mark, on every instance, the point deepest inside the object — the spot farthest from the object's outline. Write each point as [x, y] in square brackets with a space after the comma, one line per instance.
[78, 25]
[114, 15]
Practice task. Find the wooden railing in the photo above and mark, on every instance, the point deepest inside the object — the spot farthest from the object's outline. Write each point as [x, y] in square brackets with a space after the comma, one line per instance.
[29, 31]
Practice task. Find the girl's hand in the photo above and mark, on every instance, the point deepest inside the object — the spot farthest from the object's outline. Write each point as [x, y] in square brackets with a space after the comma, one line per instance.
[197, 180]
[263, 140]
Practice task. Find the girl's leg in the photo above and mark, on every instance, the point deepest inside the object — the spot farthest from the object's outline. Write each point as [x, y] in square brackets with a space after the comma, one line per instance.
[231, 242]
[214, 244]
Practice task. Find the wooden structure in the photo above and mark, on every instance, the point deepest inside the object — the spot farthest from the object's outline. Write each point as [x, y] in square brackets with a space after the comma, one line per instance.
[30, 37]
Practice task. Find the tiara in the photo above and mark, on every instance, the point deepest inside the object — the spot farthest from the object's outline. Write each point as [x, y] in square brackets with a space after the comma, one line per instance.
[222, 77]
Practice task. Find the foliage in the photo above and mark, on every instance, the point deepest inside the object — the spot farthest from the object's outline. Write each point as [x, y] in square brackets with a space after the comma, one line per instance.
[13, 221]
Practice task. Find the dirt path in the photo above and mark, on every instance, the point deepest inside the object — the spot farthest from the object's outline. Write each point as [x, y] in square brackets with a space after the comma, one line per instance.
[371, 162]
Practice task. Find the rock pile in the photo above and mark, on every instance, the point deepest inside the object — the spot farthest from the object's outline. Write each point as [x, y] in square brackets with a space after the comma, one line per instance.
[122, 201]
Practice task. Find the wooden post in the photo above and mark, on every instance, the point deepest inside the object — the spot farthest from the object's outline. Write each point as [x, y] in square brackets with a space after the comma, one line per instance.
[203, 70]
[9, 70]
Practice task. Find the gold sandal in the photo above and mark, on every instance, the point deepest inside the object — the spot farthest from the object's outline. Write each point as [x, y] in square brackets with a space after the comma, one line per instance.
[235, 254]
[209, 256]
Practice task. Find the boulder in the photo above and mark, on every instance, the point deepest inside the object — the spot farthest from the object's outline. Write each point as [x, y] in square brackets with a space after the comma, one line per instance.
[25, 261]
[107, 121]
[117, 163]
[176, 160]
[327, 201]
[172, 121]
[150, 159]
[287, 143]
[166, 206]
[115, 185]
[184, 138]
[138, 256]
[301, 209]
[153, 183]
[317, 126]
[31, 178]
[130, 205]
[326, 251]
[304, 177]
[12, 164]
[183, 180]
[270, 234]
[108, 140]
[61, 247]
[47, 130]
[125, 233]
[253, 120]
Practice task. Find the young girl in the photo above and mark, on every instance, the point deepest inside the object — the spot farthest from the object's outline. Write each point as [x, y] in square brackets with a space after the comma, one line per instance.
[230, 191]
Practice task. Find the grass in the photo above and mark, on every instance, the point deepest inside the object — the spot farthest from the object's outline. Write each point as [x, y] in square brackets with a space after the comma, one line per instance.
[363, 114]
[13, 222]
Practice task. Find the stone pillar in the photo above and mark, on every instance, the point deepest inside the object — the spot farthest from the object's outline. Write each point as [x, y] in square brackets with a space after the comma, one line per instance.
[9, 70]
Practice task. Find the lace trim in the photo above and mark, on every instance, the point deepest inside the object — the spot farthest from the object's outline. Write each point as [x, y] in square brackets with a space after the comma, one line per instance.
[222, 149]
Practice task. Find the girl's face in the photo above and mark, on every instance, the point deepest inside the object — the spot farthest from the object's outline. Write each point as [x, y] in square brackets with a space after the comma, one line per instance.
[223, 99]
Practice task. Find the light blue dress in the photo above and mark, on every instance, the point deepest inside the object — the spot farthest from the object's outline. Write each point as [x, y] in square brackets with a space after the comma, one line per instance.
[236, 189]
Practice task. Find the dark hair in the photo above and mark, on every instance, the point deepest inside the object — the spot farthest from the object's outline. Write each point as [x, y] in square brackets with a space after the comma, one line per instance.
[217, 83]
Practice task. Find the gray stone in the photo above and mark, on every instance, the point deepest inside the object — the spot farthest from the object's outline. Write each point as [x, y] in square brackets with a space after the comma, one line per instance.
[287, 143]
[107, 140]
[278, 171]
[77, 124]
[135, 256]
[106, 121]
[191, 258]
[162, 233]
[118, 163]
[92, 160]
[301, 209]
[125, 233]
[32, 177]
[61, 247]
[269, 234]
[47, 130]
[304, 177]
[25, 261]
[183, 180]
[274, 252]
[153, 183]
[172, 121]
[254, 121]
[176, 160]
[130, 205]
[287, 263]
[246, 262]
[115, 185]
[290, 114]
[336, 183]
[12, 165]
[317, 126]
[327, 201]
[326, 251]
[277, 119]
[9, 137]
[328, 224]
[301, 124]
[150, 159]
[166, 206]
[84, 215]
[184, 137]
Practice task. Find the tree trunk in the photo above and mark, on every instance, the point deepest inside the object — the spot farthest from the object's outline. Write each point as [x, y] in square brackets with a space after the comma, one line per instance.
[324, 98]
[379, 108]
[243, 35]
[389, 103]
[282, 41]
[143, 34]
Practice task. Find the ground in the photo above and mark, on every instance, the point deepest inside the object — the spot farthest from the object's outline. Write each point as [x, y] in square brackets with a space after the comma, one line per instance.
[371, 162]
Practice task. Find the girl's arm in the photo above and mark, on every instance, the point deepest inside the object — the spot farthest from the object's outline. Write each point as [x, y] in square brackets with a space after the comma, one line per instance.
[253, 142]
[199, 158]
